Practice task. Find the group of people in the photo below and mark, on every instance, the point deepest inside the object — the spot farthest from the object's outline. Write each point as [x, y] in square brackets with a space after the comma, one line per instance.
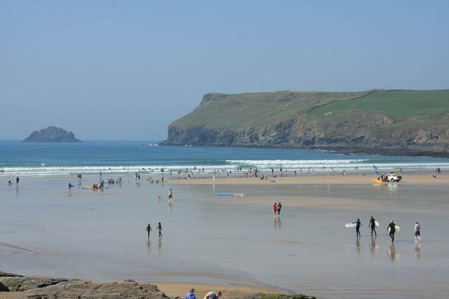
[277, 209]
[391, 228]
[209, 295]
[159, 228]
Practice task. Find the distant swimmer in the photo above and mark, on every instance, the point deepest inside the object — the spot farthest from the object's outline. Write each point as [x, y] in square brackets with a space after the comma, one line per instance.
[279, 207]
[212, 295]
[170, 193]
[274, 209]
[191, 294]
[391, 229]
[149, 229]
[159, 228]
[372, 225]
[418, 232]
[357, 227]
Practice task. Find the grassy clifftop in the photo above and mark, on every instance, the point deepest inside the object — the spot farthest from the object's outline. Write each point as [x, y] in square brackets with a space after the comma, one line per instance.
[394, 121]
[254, 109]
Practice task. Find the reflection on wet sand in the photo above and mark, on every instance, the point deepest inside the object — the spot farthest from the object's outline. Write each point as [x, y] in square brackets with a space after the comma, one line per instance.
[277, 223]
[159, 245]
[358, 247]
[393, 253]
[149, 245]
[373, 245]
[170, 205]
[418, 251]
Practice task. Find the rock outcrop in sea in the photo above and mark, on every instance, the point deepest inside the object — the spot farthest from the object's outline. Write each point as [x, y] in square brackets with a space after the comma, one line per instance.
[51, 134]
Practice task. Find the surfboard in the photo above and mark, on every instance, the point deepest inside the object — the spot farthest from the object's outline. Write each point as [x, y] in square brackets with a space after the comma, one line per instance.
[87, 187]
[396, 229]
[350, 225]
[376, 223]
[377, 181]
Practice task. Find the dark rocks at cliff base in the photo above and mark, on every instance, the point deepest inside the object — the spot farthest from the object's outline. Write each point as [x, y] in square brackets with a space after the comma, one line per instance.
[51, 134]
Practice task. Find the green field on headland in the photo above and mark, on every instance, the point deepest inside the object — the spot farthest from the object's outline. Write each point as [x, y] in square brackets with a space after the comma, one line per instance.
[402, 122]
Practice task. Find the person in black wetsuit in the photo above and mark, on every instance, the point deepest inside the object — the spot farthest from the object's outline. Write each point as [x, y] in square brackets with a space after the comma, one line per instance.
[391, 229]
[357, 227]
[372, 225]
[159, 228]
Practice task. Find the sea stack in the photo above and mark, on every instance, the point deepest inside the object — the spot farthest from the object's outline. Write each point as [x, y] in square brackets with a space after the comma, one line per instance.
[51, 134]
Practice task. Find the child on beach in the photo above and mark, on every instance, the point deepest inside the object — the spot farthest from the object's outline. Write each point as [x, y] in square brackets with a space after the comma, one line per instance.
[191, 294]
[417, 232]
[212, 295]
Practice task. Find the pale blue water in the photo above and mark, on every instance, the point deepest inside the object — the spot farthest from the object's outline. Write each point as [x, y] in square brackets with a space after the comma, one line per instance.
[37, 159]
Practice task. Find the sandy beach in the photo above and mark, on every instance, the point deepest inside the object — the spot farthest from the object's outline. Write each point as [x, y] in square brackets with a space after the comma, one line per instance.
[421, 179]
[233, 243]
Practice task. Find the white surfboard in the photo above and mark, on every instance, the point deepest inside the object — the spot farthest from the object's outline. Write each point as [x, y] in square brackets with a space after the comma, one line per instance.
[350, 225]
[376, 223]
[396, 229]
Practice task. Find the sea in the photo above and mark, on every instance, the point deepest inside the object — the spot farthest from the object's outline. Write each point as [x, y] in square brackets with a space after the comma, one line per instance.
[120, 157]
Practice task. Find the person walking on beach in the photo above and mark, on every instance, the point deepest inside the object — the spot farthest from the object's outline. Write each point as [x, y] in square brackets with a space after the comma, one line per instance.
[149, 229]
[279, 207]
[212, 295]
[357, 228]
[70, 186]
[191, 295]
[17, 180]
[274, 209]
[159, 228]
[391, 229]
[170, 193]
[417, 232]
[372, 225]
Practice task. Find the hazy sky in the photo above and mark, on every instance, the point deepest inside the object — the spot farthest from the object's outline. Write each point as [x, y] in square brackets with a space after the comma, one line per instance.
[126, 69]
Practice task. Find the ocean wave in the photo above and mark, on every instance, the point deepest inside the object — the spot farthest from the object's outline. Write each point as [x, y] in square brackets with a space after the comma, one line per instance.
[230, 165]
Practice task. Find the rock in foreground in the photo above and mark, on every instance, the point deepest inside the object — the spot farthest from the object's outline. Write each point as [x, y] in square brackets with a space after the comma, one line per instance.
[51, 134]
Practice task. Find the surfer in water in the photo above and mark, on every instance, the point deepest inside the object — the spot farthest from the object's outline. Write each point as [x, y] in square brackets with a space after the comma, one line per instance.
[391, 229]
[417, 232]
[357, 228]
[372, 225]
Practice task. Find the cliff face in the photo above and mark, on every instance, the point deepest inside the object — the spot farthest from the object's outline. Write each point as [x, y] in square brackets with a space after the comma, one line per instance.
[368, 131]
[51, 134]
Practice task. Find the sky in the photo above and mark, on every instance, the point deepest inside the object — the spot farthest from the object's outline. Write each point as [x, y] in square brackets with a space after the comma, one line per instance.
[126, 69]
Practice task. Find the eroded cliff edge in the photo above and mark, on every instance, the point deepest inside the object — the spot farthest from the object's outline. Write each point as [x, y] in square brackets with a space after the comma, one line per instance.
[383, 122]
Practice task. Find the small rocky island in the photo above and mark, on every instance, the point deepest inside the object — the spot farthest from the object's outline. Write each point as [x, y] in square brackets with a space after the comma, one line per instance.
[51, 134]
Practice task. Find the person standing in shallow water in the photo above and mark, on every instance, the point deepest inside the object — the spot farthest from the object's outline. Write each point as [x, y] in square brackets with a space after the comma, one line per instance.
[372, 225]
[149, 229]
[391, 229]
[357, 227]
[279, 207]
[159, 228]
[417, 232]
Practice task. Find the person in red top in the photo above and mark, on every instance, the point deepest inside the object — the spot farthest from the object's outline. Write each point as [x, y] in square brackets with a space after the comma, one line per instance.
[274, 209]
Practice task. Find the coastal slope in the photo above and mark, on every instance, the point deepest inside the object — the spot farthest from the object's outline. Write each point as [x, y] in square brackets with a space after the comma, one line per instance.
[387, 122]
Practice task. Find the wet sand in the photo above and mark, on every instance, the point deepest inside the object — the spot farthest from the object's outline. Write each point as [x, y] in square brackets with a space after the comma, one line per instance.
[318, 178]
[233, 241]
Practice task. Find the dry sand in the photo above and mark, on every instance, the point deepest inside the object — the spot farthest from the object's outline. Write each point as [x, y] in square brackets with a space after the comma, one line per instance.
[173, 289]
